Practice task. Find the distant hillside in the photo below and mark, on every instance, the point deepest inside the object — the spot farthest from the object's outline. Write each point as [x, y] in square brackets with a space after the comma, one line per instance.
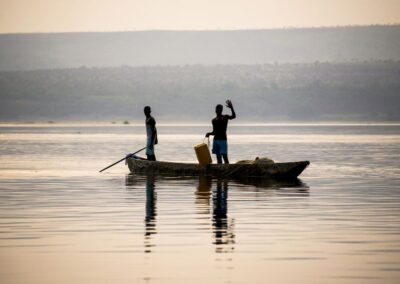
[72, 50]
[357, 91]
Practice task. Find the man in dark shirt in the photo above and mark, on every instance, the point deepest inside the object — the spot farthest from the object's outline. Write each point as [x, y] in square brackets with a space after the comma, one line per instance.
[151, 132]
[220, 124]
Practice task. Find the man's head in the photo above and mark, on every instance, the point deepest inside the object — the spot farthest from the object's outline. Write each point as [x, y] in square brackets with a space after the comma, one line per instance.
[147, 110]
[218, 109]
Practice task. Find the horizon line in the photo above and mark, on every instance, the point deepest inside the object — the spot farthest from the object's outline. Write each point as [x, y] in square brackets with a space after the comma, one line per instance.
[210, 30]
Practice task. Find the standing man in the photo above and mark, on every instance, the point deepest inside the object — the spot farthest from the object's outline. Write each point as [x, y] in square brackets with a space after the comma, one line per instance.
[151, 132]
[220, 124]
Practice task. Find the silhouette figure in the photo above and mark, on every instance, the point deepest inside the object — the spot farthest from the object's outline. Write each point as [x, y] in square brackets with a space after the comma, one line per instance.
[220, 124]
[151, 132]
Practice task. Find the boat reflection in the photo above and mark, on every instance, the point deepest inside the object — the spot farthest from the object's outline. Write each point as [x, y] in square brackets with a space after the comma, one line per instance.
[293, 185]
[211, 199]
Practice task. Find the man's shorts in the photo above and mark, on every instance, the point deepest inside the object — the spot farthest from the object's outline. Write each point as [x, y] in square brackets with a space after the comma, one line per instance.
[148, 144]
[220, 147]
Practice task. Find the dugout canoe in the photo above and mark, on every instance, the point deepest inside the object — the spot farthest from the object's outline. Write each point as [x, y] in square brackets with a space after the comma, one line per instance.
[272, 170]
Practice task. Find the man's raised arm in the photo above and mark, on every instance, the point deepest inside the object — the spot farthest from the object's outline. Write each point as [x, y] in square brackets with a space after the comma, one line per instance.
[230, 105]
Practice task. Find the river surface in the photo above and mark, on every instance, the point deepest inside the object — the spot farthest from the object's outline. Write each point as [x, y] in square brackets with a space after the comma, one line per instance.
[61, 221]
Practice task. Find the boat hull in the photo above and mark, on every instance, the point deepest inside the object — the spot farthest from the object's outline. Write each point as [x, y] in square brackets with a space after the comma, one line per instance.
[289, 170]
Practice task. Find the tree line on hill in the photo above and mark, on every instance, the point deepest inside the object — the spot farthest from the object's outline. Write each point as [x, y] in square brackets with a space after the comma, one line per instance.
[319, 91]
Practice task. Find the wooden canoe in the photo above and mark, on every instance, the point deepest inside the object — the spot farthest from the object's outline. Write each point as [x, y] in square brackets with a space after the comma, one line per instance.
[289, 170]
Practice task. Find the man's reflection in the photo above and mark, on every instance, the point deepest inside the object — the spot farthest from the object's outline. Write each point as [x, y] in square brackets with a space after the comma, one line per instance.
[151, 213]
[223, 226]
[132, 181]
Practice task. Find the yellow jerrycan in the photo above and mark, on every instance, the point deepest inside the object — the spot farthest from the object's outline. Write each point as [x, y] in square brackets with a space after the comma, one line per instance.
[203, 153]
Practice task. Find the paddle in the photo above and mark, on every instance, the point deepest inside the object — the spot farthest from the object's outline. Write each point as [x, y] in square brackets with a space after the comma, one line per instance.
[122, 159]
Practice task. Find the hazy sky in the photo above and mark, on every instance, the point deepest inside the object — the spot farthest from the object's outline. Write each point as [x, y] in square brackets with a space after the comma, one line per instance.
[121, 15]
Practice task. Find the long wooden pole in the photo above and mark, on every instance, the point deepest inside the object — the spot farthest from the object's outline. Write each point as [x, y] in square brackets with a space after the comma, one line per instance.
[122, 159]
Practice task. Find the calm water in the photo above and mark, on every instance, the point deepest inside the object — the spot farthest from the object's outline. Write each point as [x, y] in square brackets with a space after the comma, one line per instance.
[63, 222]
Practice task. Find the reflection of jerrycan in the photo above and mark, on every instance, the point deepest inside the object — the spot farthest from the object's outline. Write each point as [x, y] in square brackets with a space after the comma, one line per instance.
[203, 153]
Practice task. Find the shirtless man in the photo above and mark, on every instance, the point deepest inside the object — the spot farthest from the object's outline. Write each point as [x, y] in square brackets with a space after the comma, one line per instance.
[220, 124]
